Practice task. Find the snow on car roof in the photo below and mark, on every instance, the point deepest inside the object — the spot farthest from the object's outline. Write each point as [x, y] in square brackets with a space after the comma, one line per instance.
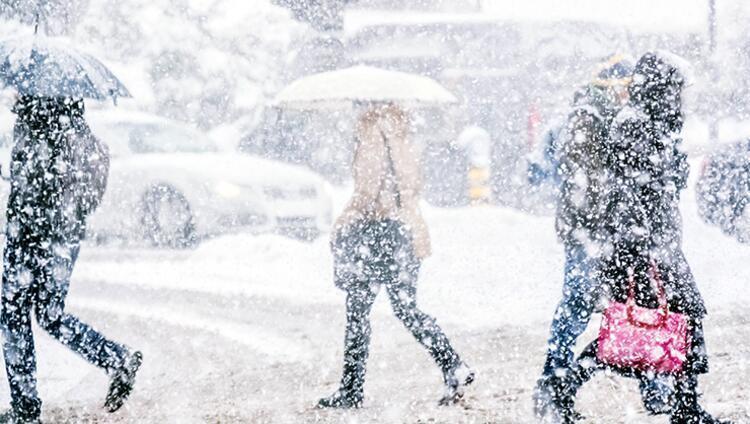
[281, 170]
[110, 115]
[254, 164]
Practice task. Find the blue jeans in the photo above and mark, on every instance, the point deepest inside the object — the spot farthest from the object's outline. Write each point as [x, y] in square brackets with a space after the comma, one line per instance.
[580, 294]
[37, 279]
[573, 312]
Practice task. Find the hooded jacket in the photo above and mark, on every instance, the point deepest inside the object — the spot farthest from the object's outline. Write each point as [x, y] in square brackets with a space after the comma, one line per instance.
[647, 171]
[58, 171]
[581, 165]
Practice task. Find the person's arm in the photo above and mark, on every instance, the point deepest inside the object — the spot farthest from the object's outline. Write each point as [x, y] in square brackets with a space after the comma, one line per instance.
[681, 168]
[574, 169]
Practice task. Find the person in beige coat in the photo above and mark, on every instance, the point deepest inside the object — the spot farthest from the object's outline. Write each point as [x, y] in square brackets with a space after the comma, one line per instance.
[379, 240]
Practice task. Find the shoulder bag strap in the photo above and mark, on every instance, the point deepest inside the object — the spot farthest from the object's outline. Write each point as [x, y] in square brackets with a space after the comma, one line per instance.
[391, 170]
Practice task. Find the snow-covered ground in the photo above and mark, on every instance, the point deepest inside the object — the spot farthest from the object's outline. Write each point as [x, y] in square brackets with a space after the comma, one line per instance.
[250, 329]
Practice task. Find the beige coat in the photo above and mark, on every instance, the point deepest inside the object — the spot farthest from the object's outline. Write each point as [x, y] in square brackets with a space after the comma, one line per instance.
[374, 198]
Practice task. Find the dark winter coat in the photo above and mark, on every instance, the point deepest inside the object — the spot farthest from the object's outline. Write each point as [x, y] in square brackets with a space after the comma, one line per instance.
[647, 171]
[580, 165]
[58, 172]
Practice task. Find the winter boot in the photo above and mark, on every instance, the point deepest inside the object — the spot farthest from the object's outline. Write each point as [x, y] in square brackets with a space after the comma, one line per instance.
[351, 389]
[542, 397]
[657, 394]
[455, 381]
[122, 381]
[554, 400]
[694, 416]
[686, 409]
[706, 418]
[11, 417]
[342, 399]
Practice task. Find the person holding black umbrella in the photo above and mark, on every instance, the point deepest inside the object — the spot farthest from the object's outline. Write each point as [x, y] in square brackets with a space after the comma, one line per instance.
[58, 176]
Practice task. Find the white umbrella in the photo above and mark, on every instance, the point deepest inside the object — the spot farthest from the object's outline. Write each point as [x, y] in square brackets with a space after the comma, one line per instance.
[363, 84]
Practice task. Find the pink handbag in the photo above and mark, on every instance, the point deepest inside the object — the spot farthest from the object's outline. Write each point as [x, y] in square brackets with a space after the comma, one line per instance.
[642, 338]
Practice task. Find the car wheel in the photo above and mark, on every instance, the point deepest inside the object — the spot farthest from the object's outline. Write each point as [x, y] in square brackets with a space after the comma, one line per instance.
[167, 218]
[742, 223]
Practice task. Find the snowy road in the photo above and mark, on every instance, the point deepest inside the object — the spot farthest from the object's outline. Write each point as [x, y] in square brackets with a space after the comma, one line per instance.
[249, 329]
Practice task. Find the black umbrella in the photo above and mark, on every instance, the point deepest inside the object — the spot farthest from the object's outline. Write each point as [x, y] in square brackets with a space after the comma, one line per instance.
[48, 67]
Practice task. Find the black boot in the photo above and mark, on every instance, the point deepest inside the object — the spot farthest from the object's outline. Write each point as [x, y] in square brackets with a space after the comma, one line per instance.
[356, 351]
[695, 415]
[12, 417]
[554, 399]
[706, 418]
[657, 394]
[351, 390]
[342, 399]
[455, 381]
[686, 409]
[542, 397]
[122, 382]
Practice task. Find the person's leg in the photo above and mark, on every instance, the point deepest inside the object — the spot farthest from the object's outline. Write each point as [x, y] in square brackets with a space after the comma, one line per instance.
[18, 346]
[118, 361]
[357, 340]
[350, 393]
[69, 330]
[657, 392]
[563, 394]
[569, 322]
[402, 292]
[573, 312]
[686, 408]
[585, 367]
[401, 284]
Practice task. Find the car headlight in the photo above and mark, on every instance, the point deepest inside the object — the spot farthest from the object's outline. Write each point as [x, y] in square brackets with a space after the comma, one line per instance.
[228, 190]
[294, 193]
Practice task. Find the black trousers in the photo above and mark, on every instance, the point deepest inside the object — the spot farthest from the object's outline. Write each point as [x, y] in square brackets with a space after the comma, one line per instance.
[388, 262]
[36, 281]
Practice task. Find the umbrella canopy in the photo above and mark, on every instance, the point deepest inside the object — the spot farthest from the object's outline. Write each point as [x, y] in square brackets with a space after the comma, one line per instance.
[363, 84]
[48, 67]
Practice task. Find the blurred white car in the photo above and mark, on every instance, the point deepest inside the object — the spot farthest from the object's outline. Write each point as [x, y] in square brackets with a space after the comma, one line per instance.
[7, 120]
[170, 185]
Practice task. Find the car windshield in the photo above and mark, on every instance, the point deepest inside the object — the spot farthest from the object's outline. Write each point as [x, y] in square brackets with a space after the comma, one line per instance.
[129, 138]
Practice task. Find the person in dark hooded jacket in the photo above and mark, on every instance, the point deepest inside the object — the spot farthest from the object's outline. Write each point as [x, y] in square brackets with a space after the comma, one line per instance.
[577, 150]
[642, 223]
[58, 177]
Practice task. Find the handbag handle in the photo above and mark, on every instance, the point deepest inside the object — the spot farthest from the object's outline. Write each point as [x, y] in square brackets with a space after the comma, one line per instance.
[663, 309]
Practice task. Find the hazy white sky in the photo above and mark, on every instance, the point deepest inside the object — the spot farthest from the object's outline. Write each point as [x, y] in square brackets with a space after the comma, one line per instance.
[669, 14]
[654, 14]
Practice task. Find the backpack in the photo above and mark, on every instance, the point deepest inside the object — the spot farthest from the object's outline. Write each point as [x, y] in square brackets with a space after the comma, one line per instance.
[90, 170]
